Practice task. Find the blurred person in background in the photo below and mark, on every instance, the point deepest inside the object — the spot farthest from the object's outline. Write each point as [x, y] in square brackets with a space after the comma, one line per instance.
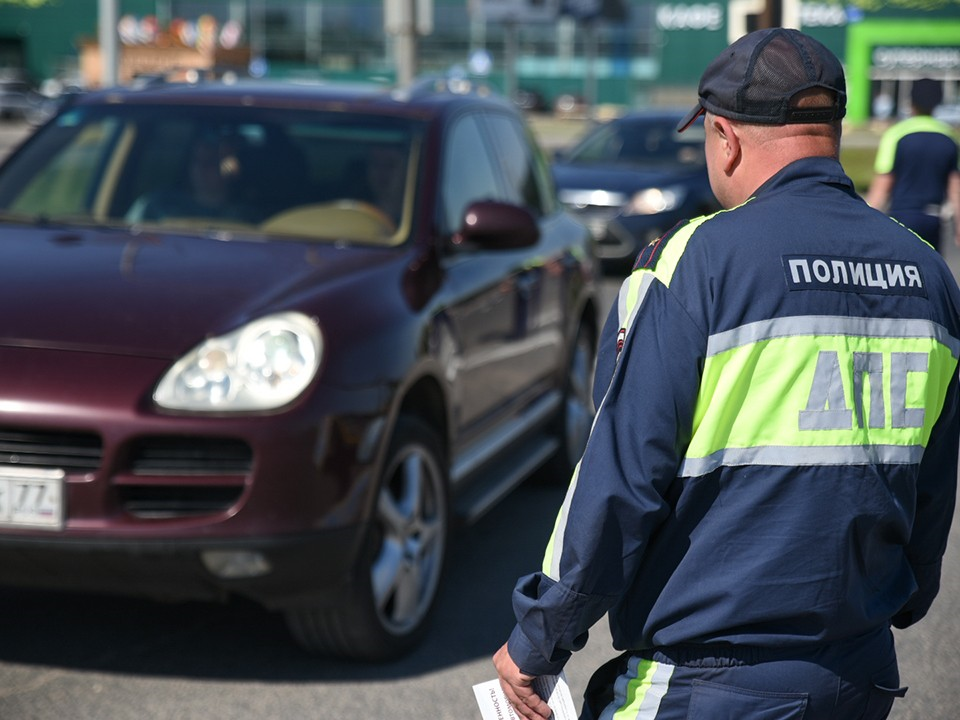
[916, 168]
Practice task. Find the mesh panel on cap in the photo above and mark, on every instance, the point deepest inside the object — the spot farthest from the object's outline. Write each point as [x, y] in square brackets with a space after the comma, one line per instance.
[778, 72]
[757, 77]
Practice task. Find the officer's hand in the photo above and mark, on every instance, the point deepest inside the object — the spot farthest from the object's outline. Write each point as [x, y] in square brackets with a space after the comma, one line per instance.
[518, 687]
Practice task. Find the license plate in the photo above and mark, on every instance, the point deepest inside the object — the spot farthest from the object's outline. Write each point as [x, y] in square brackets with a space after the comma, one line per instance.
[31, 498]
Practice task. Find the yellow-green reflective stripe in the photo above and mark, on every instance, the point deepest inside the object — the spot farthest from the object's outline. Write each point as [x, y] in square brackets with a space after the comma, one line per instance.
[551, 556]
[667, 262]
[646, 684]
[753, 395]
[670, 257]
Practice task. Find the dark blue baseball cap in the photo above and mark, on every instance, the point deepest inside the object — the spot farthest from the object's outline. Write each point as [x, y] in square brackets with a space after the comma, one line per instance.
[755, 79]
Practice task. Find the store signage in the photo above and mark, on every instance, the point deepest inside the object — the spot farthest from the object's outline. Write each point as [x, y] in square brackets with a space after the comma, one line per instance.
[518, 11]
[822, 15]
[581, 9]
[916, 58]
[697, 16]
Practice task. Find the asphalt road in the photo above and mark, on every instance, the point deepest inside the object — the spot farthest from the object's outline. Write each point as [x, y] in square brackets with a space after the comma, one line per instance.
[101, 658]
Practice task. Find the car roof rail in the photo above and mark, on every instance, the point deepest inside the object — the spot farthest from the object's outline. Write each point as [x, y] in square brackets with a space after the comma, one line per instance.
[186, 75]
[448, 83]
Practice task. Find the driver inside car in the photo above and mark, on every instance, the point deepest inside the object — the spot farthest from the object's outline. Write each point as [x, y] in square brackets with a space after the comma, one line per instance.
[212, 187]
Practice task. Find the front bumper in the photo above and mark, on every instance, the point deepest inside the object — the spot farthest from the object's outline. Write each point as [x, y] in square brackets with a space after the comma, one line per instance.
[303, 570]
[620, 238]
[148, 495]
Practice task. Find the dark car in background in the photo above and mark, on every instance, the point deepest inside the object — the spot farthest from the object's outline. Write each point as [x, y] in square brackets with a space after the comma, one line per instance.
[275, 341]
[633, 178]
[46, 106]
[18, 99]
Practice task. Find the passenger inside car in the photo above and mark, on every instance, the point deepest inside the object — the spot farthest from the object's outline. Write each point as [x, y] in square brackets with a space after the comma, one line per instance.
[386, 175]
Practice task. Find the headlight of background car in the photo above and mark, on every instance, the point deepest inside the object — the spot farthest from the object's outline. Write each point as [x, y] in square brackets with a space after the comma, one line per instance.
[261, 366]
[655, 200]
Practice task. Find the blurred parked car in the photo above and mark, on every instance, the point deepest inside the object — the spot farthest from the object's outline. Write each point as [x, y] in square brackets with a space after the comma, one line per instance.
[568, 105]
[529, 100]
[17, 99]
[46, 106]
[233, 367]
[633, 178]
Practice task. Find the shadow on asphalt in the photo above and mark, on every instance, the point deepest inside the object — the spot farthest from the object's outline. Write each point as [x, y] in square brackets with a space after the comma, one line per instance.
[240, 640]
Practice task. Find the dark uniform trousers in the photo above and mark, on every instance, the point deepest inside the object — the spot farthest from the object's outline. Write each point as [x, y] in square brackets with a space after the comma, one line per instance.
[926, 225]
[856, 679]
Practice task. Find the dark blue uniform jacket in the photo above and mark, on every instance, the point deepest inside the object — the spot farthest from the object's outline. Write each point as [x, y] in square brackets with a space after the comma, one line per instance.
[774, 457]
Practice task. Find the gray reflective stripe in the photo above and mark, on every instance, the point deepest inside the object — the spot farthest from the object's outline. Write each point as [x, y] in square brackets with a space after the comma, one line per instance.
[779, 455]
[902, 363]
[654, 695]
[871, 365]
[622, 309]
[638, 693]
[826, 392]
[830, 325]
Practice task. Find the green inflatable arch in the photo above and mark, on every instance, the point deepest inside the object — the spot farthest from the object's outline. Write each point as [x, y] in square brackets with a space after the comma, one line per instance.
[863, 37]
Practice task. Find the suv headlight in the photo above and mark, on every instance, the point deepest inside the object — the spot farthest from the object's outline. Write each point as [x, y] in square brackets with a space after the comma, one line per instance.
[261, 366]
[655, 200]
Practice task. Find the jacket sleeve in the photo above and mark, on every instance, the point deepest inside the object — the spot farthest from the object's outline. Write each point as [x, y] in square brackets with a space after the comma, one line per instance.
[936, 498]
[615, 501]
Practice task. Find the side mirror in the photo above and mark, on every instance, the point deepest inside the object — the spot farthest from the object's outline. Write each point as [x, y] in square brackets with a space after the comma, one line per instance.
[497, 226]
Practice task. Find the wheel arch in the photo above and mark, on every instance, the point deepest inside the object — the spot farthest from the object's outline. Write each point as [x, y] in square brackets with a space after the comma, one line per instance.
[426, 400]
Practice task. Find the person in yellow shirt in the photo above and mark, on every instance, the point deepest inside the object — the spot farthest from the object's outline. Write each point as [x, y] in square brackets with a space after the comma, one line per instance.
[916, 168]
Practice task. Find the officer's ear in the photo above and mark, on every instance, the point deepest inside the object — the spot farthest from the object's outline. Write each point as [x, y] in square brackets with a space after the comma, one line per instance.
[728, 146]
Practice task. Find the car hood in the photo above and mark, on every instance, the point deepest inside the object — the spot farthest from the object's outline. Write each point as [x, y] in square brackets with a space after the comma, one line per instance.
[620, 178]
[148, 295]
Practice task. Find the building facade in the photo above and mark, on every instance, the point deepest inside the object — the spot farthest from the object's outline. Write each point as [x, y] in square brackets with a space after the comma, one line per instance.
[623, 52]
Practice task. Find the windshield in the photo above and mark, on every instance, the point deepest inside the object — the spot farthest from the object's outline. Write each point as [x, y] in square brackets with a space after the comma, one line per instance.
[645, 142]
[318, 175]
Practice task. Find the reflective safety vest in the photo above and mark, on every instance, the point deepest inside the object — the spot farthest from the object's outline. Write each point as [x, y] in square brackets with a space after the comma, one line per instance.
[774, 456]
[856, 389]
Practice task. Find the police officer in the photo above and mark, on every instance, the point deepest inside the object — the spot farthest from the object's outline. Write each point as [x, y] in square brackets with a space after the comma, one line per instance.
[916, 168]
[771, 475]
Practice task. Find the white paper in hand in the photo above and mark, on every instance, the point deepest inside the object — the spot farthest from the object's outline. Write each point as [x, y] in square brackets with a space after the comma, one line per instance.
[553, 688]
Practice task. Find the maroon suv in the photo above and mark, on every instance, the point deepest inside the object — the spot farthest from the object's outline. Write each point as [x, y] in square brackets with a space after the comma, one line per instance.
[273, 340]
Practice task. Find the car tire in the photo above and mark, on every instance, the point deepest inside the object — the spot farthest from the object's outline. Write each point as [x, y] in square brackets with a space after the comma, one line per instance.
[386, 611]
[575, 419]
